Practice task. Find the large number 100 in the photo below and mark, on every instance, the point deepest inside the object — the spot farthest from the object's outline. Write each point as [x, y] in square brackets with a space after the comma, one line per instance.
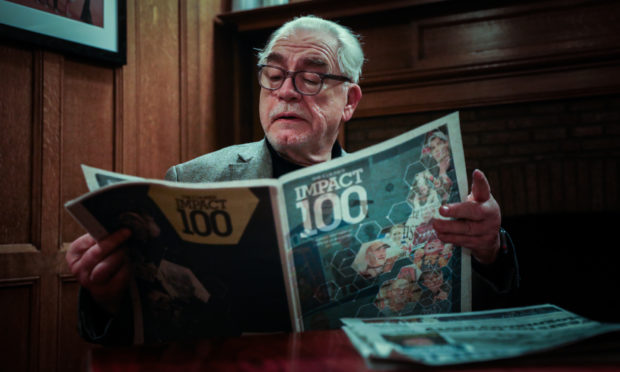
[341, 210]
[202, 223]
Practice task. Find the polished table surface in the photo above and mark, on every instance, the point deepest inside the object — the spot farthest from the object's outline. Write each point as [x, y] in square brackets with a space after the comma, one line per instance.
[308, 351]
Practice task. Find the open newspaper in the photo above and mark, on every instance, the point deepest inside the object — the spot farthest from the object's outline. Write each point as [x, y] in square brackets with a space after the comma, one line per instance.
[445, 339]
[351, 237]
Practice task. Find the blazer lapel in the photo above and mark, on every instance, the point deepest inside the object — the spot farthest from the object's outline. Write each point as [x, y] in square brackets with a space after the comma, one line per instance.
[252, 162]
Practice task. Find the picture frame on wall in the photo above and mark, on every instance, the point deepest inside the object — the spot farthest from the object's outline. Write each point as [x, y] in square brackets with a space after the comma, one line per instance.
[93, 29]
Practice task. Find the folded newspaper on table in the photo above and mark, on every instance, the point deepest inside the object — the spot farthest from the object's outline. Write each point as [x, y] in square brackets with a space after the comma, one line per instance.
[444, 339]
[351, 237]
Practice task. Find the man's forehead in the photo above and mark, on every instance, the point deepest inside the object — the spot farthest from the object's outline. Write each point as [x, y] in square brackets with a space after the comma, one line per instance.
[309, 60]
[306, 48]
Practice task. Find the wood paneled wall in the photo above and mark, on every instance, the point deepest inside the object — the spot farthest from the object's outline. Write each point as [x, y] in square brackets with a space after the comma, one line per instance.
[425, 55]
[57, 112]
[428, 57]
[161, 108]
[537, 83]
[467, 56]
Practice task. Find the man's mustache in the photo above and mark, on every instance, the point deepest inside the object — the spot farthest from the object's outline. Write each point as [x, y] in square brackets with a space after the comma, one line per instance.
[286, 111]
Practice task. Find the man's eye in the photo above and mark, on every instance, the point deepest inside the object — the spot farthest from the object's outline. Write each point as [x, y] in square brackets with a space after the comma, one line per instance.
[311, 81]
[275, 77]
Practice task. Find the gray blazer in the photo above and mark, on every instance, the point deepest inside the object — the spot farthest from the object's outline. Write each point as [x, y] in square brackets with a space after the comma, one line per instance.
[237, 162]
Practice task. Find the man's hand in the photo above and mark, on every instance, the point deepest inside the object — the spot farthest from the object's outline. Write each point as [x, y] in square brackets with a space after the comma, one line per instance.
[101, 267]
[476, 221]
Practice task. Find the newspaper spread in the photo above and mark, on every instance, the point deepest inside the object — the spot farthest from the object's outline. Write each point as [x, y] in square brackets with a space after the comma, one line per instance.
[351, 237]
[444, 339]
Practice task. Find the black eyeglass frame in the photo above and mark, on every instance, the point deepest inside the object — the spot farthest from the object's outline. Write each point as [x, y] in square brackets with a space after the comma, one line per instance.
[293, 74]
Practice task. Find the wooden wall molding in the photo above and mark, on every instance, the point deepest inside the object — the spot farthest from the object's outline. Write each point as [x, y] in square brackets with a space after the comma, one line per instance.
[119, 120]
[186, 11]
[62, 111]
[166, 86]
[196, 75]
[494, 90]
[29, 281]
[36, 197]
[70, 352]
[53, 65]
[20, 161]
[22, 322]
[18, 248]
[435, 55]
[129, 115]
[537, 51]
[272, 17]
[534, 35]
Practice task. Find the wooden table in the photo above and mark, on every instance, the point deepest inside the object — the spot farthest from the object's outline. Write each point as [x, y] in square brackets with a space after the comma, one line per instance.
[320, 351]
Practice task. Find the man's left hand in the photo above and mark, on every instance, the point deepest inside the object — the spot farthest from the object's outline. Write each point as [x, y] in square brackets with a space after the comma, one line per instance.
[475, 224]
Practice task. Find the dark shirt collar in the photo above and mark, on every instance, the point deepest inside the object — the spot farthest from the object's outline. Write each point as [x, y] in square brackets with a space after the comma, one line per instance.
[282, 166]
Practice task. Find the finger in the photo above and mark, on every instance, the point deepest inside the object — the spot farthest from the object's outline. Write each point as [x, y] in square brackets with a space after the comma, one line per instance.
[468, 210]
[461, 227]
[483, 247]
[78, 247]
[104, 247]
[466, 241]
[117, 238]
[480, 189]
[96, 253]
[108, 267]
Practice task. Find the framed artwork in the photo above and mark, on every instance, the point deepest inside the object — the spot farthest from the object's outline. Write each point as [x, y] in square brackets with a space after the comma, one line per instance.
[95, 29]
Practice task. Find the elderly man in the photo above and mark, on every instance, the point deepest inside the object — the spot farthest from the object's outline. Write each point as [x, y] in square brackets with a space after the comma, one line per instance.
[308, 73]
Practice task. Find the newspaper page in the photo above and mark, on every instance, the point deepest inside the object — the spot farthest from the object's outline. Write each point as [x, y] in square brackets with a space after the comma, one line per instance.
[445, 339]
[360, 233]
[97, 178]
[349, 237]
[206, 256]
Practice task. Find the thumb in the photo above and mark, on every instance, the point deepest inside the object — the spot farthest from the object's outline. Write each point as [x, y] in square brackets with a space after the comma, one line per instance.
[480, 189]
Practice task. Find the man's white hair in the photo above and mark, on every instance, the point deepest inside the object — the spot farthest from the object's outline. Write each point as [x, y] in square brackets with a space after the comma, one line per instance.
[350, 54]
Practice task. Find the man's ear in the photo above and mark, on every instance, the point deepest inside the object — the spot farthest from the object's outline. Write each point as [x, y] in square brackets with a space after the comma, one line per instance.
[354, 95]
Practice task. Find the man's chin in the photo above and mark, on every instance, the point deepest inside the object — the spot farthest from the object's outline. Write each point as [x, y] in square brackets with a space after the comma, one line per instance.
[288, 140]
[299, 148]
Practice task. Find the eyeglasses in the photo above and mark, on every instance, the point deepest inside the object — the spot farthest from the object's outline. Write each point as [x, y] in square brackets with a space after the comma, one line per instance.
[305, 82]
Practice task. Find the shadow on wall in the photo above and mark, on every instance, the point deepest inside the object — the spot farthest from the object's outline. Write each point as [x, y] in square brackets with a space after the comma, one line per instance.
[569, 260]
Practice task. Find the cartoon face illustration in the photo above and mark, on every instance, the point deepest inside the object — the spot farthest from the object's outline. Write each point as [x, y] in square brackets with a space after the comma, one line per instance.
[432, 280]
[376, 257]
[375, 254]
[439, 147]
[422, 187]
[420, 183]
[397, 295]
[427, 214]
[400, 292]
[396, 233]
[434, 246]
[409, 272]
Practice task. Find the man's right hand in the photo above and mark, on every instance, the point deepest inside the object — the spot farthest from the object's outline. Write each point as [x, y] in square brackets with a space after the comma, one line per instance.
[102, 268]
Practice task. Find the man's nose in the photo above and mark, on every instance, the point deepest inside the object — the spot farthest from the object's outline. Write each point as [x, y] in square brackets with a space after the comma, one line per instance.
[287, 91]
